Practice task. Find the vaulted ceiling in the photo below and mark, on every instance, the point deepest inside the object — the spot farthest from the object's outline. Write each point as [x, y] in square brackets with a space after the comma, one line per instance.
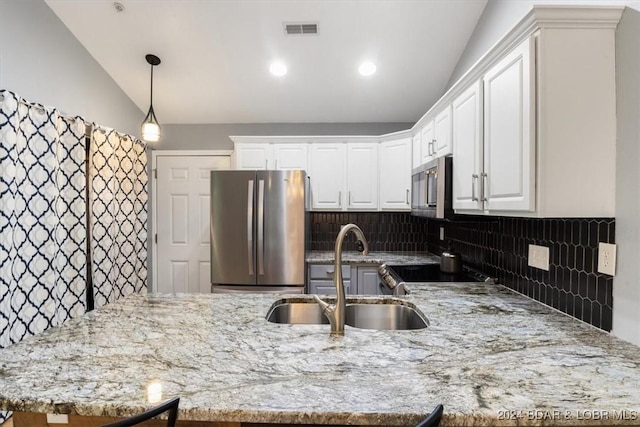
[216, 55]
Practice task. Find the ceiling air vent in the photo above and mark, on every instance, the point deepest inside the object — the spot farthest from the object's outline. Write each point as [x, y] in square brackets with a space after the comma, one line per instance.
[300, 29]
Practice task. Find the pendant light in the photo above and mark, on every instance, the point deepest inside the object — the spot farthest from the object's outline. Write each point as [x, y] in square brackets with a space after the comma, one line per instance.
[150, 125]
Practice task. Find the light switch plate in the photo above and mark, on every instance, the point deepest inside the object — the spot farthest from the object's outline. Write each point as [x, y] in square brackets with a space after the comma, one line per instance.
[539, 257]
[607, 258]
[441, 233]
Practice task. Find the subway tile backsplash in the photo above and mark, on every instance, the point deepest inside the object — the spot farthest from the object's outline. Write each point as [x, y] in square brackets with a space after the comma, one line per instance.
[499, 246]
[385, 231]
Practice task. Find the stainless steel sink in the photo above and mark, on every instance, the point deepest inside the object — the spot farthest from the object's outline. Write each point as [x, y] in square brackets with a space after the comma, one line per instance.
[386, 314]
[308, 313]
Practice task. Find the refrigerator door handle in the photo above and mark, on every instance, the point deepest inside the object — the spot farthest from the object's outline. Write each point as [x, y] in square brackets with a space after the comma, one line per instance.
[250, 226]
[261, 227]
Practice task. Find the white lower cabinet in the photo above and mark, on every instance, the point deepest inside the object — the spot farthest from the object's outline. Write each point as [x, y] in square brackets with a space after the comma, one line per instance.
[357, 279]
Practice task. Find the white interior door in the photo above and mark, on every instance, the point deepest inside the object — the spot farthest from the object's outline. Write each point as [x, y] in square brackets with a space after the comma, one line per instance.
[182, 218]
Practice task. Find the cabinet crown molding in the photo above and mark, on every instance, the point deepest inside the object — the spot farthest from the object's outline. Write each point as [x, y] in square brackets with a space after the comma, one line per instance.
[279, 139]
[539, 17]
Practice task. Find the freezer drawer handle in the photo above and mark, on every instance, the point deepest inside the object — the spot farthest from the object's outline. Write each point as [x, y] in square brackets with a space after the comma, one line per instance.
[261, 227]
[250, 226]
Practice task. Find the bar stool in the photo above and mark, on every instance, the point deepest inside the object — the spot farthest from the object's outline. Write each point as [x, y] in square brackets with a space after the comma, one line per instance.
[170, 405]
[433, 419]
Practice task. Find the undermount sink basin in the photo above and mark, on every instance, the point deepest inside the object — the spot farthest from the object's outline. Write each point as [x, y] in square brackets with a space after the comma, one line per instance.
[384, 314]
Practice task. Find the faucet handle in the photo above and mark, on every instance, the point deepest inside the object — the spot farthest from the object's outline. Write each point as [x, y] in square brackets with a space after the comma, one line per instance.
[328, 310]
[325, 306]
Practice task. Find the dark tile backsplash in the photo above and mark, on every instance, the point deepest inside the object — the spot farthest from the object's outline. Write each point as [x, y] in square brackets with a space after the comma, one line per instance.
[499, 246]
[385, 231]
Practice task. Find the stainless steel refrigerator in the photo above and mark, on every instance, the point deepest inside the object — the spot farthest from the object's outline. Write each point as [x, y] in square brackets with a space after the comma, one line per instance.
[258, 231]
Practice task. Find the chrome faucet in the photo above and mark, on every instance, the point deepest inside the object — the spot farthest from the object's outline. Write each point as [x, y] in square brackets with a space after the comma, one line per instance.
[336, 312]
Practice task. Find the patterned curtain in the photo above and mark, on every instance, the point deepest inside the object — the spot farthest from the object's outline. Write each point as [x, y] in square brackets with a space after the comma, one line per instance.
[118, 179]
[42, 218]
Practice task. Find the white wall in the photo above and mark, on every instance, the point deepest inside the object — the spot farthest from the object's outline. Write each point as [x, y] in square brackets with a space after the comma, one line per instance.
[499, 17]
[42, 61]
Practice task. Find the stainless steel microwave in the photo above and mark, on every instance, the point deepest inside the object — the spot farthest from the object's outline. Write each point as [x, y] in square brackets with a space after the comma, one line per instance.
[432, 185]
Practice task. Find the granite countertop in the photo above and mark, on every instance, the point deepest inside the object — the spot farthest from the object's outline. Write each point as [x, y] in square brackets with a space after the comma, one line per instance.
[492, 357]
[391, 258]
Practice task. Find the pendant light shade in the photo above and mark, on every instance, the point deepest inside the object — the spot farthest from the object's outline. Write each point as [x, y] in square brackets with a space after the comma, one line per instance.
[150, 125]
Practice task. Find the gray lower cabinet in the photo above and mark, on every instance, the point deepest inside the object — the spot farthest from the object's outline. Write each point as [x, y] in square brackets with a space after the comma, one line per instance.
[321, 279]
[357, 279]
[368, 280]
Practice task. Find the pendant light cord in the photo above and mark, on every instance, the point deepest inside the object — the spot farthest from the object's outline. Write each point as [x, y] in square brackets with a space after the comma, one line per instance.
[151, 97]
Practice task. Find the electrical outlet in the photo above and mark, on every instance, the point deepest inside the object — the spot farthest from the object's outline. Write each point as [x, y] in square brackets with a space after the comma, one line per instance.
[607, 258]
[539, 257]
[441, 233]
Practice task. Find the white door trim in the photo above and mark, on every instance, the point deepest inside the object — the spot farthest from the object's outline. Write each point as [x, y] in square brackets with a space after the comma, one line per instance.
[154, 198]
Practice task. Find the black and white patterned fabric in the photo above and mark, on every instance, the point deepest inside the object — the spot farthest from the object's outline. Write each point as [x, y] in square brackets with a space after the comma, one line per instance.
[42, 216]
[118, 176]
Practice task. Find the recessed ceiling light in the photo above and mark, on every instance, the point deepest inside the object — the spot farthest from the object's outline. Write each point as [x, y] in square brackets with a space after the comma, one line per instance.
[367, 68]
[119, 7]
[278, 69]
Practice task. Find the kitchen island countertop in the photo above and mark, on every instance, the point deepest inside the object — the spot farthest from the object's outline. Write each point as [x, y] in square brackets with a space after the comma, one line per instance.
[390, 258]
[491, 356]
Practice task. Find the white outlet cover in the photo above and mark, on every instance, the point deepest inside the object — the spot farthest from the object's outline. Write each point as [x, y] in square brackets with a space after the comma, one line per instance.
[607, 258]
[538, 257]
[441, 233]
[57, 419]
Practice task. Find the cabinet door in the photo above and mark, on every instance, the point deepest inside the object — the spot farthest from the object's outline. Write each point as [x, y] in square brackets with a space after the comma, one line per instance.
[362, 175]
[467, 148]
[326, 287]
[327, 175]
[427, 135]
[290, 156]
[395, 174]
[442, 133]
[253, 156]
[416, 158]
[509, 160]
[368, 281]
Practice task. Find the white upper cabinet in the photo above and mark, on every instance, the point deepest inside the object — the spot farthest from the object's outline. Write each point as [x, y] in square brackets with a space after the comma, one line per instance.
[416, 150]
[442, 134]
[467, 149]
[252, 155]
[548, 119]
[327, 162]
[280, 156]
[509, 134]
[362, 175]
[427, 136]
[436, 137]
[290, 156]
[395, 174]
